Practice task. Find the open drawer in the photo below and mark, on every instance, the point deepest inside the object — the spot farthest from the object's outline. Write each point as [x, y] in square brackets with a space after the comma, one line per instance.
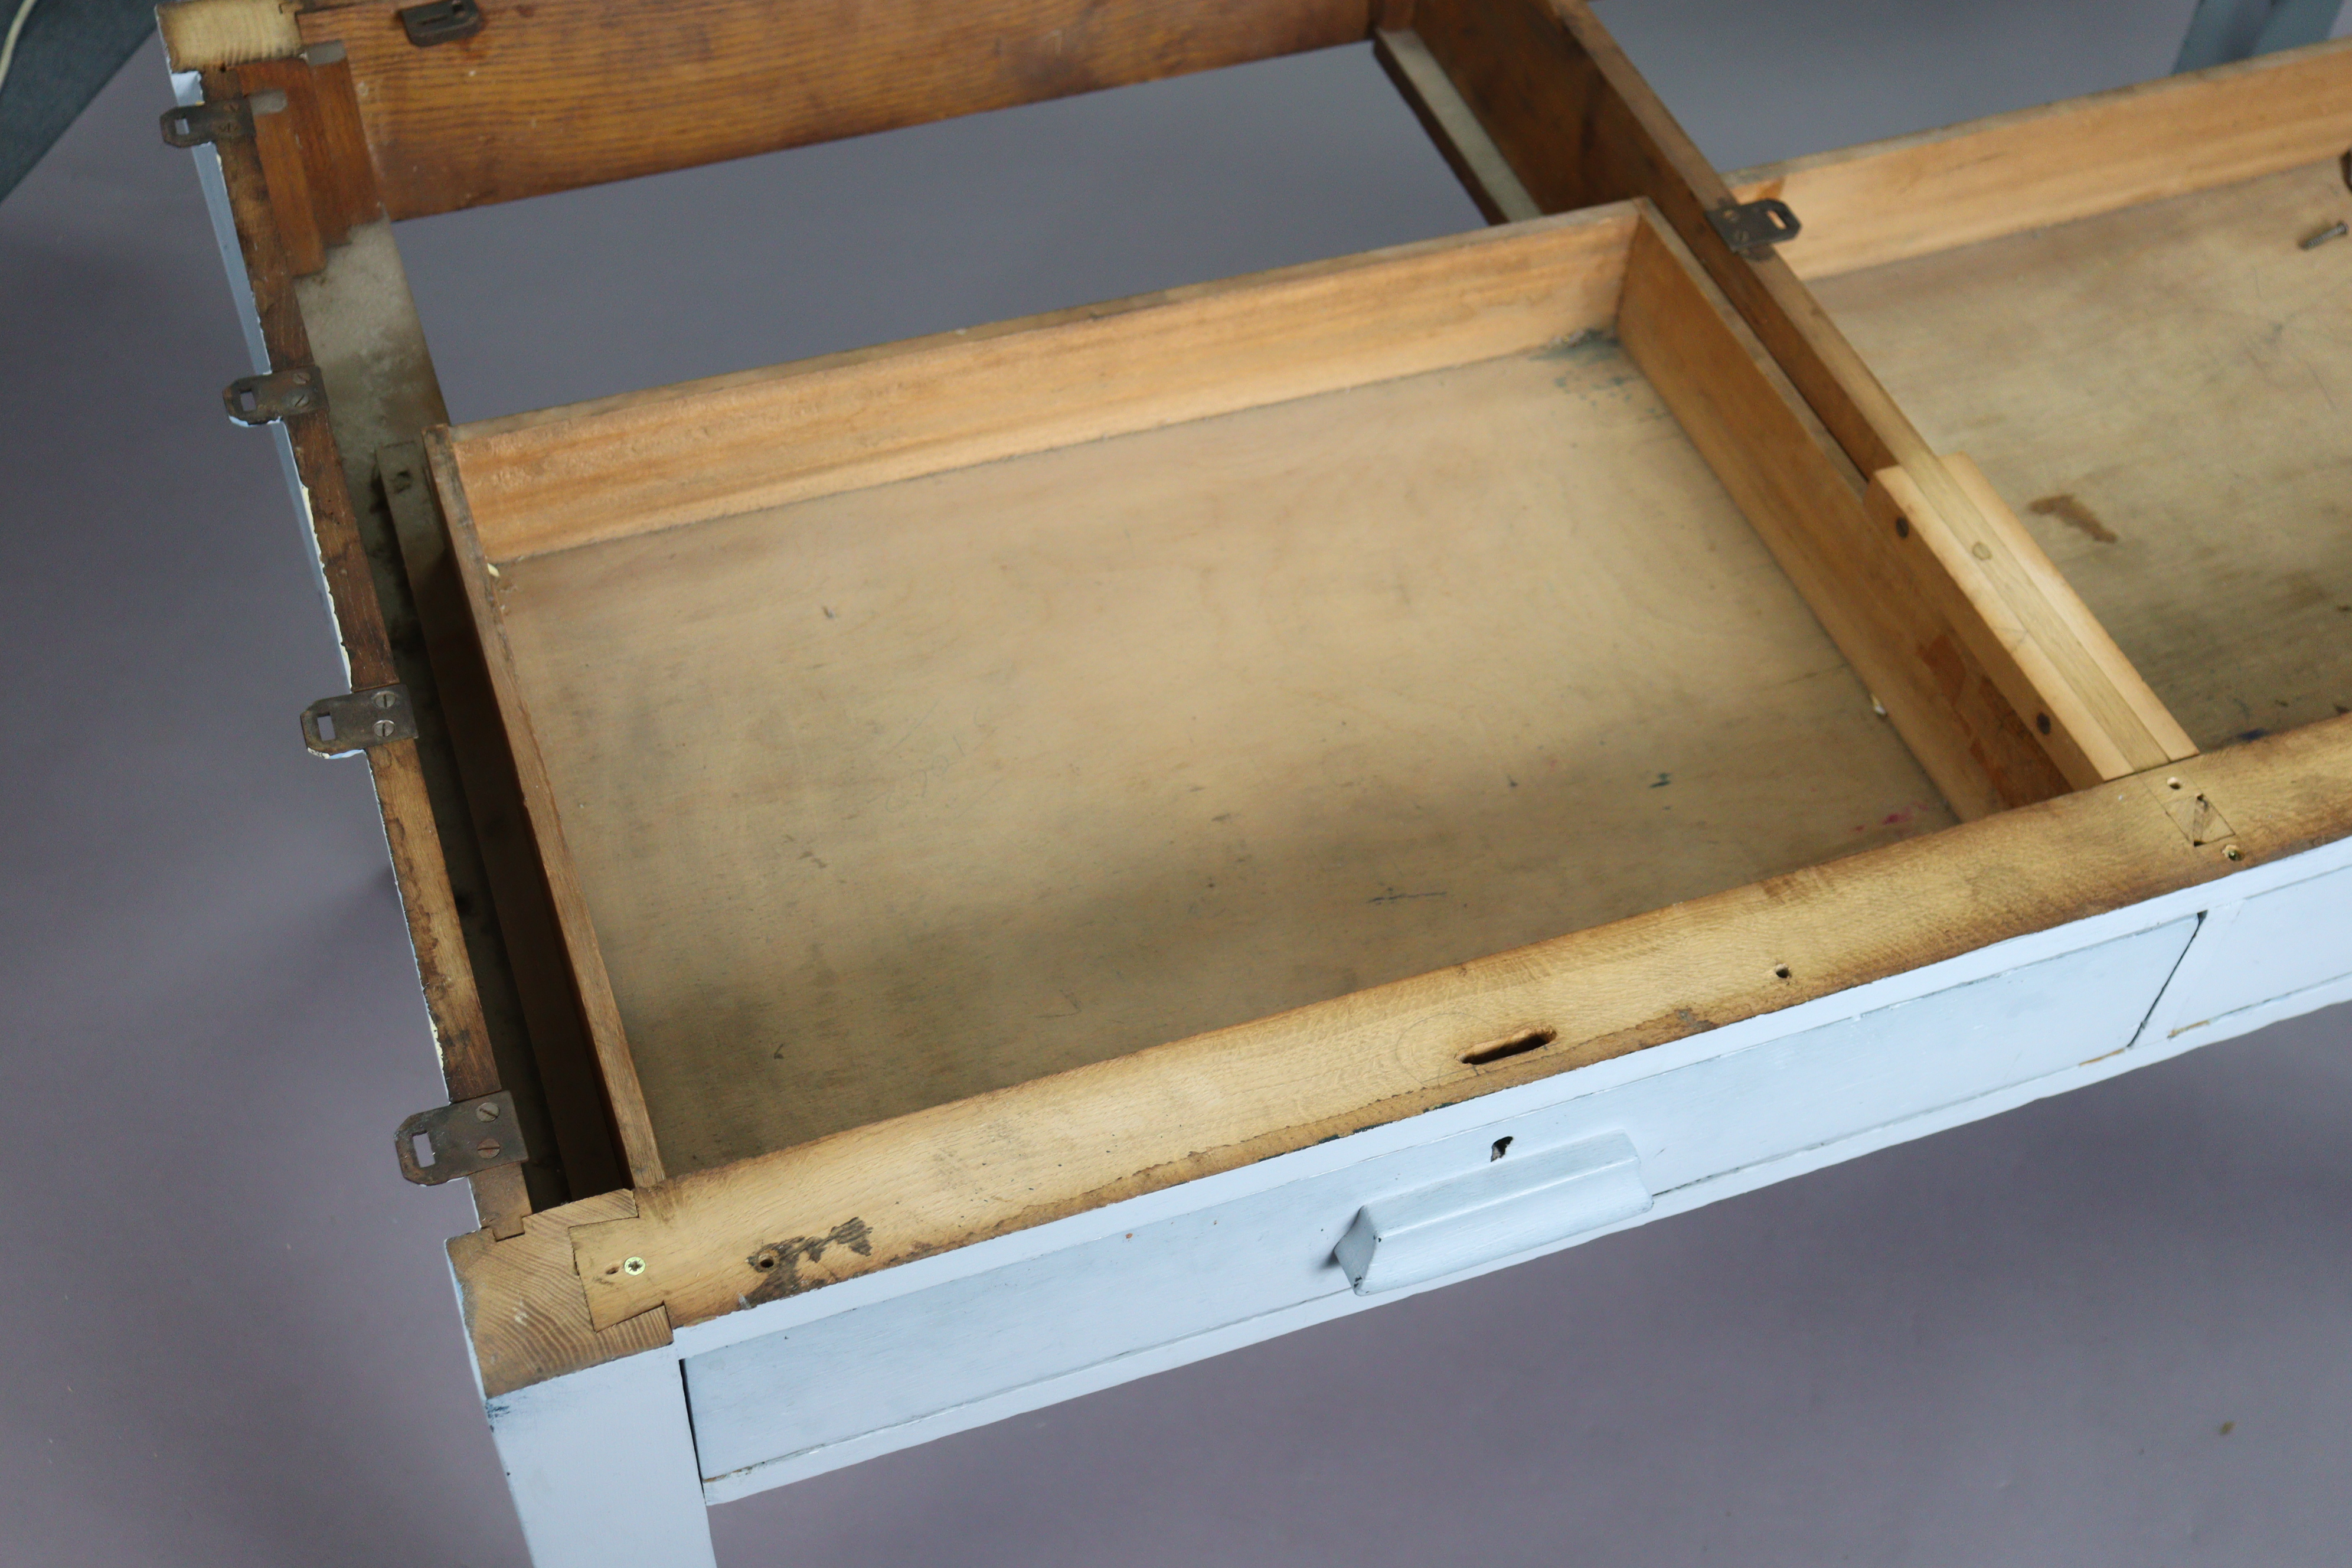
[924, 722]
[989, 864]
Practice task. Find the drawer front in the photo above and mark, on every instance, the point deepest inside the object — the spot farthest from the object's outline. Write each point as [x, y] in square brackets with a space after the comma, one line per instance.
[2277, 943]
[978, 1339]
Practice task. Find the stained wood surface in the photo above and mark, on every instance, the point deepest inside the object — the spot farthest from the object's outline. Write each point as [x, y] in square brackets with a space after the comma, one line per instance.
[2161, 393]
[902, 794]
[1055, 1146]
[1884, 201]
[553, 94]
[1580, 125]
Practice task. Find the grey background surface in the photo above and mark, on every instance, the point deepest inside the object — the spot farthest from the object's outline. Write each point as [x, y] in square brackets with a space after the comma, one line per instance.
[229, 1334]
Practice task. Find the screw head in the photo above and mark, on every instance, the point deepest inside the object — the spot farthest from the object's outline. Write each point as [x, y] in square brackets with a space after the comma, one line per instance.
[486, 1112]
[633, 1266]
[385, 699]
[488, 1148]
[386, 729]
[2231, 852]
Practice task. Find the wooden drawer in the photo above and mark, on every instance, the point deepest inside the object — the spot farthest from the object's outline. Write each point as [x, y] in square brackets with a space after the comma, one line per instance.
[987, 866]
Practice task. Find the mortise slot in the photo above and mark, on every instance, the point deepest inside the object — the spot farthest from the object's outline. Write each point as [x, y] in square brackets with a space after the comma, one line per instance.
[1517, 1044]
[423, 1148]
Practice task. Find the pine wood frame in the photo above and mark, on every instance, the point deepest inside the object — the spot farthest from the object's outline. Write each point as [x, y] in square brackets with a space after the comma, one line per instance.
[2083, 795]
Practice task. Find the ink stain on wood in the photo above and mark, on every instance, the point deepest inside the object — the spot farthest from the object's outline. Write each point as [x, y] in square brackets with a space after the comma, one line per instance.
[2069, 510]
[778, 1263]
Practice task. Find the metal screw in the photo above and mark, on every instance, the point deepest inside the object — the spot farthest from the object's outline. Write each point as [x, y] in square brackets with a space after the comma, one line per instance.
[2231, 852]
[488, 1148]
[486, 1112]
[386, 729]
[633, 1266]
[2335, 230]
[386, 699]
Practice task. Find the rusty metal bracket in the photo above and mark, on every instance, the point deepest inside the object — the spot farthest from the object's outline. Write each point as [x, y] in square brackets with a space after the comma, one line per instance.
[218, 119]
[258, 399]
[1753, 228]
[440, 21]
[464, 1139]
[376, 716]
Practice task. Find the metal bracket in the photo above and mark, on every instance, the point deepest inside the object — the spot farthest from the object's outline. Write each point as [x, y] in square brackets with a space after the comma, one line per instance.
[202, 125]
[1753, 228]
[218, 119]
[440, 21]
[258, 399]
[338, 726]
[470, 1136]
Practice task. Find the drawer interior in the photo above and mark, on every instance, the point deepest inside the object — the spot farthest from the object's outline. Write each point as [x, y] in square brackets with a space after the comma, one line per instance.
[1414, 628]
[2164, 393]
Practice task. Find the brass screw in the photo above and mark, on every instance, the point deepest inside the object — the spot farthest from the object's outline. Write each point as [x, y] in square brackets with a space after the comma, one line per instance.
[488, 1148]
[633, 1266]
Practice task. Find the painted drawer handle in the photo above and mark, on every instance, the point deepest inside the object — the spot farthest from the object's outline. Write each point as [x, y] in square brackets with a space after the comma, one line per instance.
[1516, 1203]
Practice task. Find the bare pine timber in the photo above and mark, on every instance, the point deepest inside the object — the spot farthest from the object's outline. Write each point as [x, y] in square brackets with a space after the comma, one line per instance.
[1940, 190]
[1578, 124]
[2162, 389]
[879, 884]
[1919, 651]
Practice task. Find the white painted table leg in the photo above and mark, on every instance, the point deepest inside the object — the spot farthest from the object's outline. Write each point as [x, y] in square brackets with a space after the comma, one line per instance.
[602, 1470]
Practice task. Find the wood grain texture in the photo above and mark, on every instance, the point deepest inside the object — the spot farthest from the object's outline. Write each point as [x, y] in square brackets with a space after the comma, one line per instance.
[553, 94]
[204, 35]
[522, 1302]
[437, 933]
[314, 156]
[1580, 125]
[1913, 196]
[739, 443]
[1907, 645]
[901, 794]
[581, 1121]
[940, 1178]
[1953, 578]
[2160, 391]
[614, 1064]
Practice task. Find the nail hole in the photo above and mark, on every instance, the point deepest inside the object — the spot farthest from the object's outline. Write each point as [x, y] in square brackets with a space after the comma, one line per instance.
[1517, 1044]
[1902, 526]
[1781, 972]
[2233, 852]
[2042, 722]
[764, 1261]
[1502, 1147]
